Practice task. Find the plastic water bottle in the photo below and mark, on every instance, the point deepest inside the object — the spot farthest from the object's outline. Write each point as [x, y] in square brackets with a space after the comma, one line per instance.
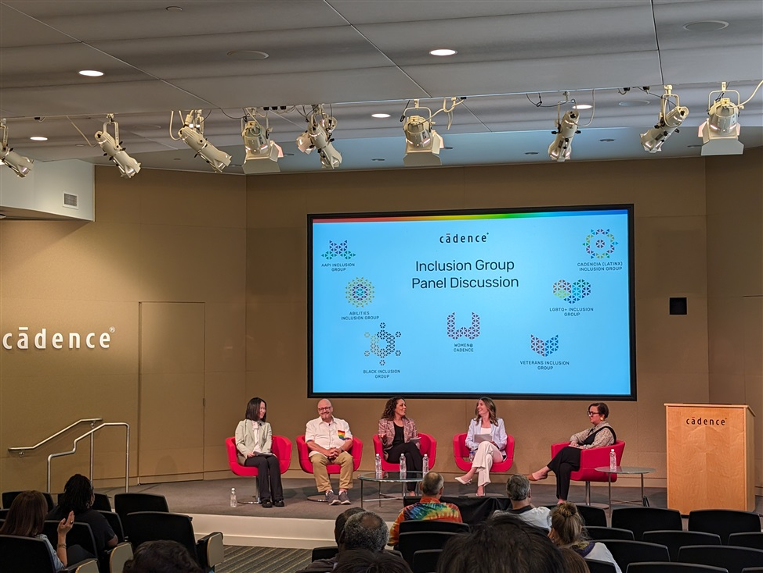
[403, 466]
[377, 466]
[233, 497]
[612, 460]
[425, 464]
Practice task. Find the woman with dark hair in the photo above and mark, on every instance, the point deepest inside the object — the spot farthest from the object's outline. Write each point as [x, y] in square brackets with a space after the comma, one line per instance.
[568, 459]
[161, 556]
[253, 442]
[568, 532]
[26, 518]
[398, 436]
[78, 498]
[487, 442]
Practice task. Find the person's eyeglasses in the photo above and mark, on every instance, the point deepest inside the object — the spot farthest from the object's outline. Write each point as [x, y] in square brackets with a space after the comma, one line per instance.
[324, 409]
[590, 413]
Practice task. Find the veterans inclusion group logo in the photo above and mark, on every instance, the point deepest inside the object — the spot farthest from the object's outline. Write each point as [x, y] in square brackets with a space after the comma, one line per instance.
[338, 249]
[544, 348]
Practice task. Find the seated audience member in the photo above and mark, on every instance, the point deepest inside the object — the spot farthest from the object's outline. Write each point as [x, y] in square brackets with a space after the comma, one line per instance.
[568, 531]
[78, 497]
[429, 506]
[503, 544]
[26, 518]
[161, 557]
[574, 563]
[365, 530]
[327, 565]
[519, 493]
[329, 440]
[362, 561]
[398, 436]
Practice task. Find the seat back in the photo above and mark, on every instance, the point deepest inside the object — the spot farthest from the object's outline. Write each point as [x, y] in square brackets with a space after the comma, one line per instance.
[125, 503]
[597, 566]
[731, 558]
[593, 516]
[9, 496]
[115, 523]
[102, 502]
[672, 567]
[641, 519]
[280, 446]
[25, 555]
[142, 526]
[462, 454]
[723, 522]
[427, 445]
[426, 560]
[81, 534]
[434, 525]
[118, 556]
[752, 539]
[600, 533]
[674, 539]
[324, 552]
[356, 450]
[625, 552]
[594, 457]
[413, 541]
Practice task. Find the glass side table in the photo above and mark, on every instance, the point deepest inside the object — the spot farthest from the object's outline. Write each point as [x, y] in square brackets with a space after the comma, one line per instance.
[621, 470]
[388, 477]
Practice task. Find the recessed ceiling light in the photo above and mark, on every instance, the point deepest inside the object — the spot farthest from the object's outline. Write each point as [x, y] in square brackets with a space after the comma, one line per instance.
[79, 145]
[706, 26]
[176, 159]
[90, 73]
[247, 54]
[377, 159]
[607, 140]
[174, 9]
[531, 153]
[38, 138]
[633, 103]
[582, 107]
[380, 115]
[443, 52]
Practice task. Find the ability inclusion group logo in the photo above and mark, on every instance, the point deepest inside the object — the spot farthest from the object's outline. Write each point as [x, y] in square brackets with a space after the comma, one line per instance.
[338, 249]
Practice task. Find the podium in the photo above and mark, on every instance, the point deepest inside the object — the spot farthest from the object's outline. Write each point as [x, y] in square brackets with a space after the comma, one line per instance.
[709, 457]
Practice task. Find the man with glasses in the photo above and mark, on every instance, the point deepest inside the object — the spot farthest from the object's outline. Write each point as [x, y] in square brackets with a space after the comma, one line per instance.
[329, 440]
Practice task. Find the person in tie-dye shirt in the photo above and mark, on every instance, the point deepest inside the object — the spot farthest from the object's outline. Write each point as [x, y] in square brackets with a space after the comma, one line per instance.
[429, 507]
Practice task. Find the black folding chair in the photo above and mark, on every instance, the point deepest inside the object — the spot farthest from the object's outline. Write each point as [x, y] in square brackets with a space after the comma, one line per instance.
[676, 539]
[752, 539]
[425, 525]
[9, 496]
[597, 566]
[671, 567]
[626, 552]
[593, 516]
[426, 560]
[125, 503]
[641, 519]
[323, 553]
[115, 523]
[733, 559]
[600, 533]
[413, 541]
[30, 555]
[723, 522]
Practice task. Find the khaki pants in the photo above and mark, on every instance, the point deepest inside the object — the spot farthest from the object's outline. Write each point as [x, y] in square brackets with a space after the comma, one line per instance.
[319, 461]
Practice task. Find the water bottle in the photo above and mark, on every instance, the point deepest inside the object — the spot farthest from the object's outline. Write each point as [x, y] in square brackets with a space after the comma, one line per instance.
[233, 497]
[377, 466]
[612, 460]
[425, 464]
[403, 466]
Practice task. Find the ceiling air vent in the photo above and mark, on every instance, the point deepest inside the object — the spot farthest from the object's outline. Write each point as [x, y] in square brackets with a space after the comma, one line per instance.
[71, 201]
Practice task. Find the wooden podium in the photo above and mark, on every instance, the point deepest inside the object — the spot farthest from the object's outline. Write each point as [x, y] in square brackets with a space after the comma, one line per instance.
[710, 457]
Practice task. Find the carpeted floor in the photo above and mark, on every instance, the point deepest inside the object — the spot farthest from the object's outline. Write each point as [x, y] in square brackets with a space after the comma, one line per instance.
[263, 560]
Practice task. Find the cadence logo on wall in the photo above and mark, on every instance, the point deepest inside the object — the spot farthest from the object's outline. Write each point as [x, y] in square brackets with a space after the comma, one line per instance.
[23, 339]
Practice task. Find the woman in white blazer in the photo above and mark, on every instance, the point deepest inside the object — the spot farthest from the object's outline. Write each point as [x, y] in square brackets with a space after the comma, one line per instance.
[484, 453]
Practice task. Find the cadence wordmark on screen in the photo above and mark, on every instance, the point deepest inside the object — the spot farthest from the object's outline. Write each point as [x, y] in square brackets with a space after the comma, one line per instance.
[507, 303]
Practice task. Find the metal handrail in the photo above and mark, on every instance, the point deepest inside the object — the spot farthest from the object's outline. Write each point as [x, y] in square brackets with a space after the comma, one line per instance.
[91, 433]
[21, 450]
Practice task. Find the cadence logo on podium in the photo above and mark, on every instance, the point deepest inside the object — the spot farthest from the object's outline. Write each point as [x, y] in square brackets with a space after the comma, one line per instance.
[24, 340]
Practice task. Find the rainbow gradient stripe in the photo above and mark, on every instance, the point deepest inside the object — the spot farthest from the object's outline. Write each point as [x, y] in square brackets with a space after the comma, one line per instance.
[466, 217]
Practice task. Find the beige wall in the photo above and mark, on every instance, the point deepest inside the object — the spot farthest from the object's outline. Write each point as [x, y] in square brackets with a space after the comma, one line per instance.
[237, 246]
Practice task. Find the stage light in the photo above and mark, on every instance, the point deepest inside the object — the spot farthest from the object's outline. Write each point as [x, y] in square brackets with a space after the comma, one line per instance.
[318, 136]
[112, 148]
[21, 165]
[560, 148]
[423, 143]
[668, 123]
[721, 129]
[192, 133]
[262, 154]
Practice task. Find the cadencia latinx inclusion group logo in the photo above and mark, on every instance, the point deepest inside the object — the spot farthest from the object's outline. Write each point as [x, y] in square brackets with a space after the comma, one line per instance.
[572, 292]
[545, 348]
[338, 249]
[359, 292]
[470, 332]
[600, 244]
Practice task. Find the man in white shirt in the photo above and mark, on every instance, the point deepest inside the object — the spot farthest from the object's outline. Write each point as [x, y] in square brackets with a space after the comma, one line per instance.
[329, 440]
[519, 493]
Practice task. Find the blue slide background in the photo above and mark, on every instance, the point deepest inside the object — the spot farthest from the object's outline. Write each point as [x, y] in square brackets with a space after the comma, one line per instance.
[593, 356]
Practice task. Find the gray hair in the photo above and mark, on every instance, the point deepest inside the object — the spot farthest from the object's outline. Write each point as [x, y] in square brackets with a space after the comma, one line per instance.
[365, 530]
[432, 483]
[518, 487]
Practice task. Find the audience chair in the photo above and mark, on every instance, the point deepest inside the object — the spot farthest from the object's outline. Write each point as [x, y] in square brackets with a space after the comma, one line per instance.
[118, 556]
[723, 522]
[591, 458]
[593, 516]
[282, 449]
[597, 566]
[462, 455]
[324, 552]
[125, 503]
[752, 539]
[9, 496]
[433, 525]
[672, 567]
[409, 543]
[426, 560]
[675, 539]
[3, 513]
[115, 523]
[641, 519]
[733, 559]
[600, 533]
[144, 526]
[101, 502]
[356, 450]
[427, 445]
[30, 555]
[625, 552]
[81, 534]
[757, 569]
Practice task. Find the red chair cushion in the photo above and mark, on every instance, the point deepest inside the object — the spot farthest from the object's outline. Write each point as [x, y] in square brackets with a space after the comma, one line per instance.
[356, 450]
[462, 454]
[591, 458]
[281, 447]
[427, 444]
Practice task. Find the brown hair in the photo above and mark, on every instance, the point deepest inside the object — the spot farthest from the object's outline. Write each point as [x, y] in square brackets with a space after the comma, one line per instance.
[389, 412]
[26, 517]
[491, 410]
[602, 408]
[574, 563]
[567, 524]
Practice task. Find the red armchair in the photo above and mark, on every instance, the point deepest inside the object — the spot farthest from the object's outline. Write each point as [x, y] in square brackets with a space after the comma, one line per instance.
[462, 454]
[282, 449]
[356, 450]
[591, 458]
[427, 445]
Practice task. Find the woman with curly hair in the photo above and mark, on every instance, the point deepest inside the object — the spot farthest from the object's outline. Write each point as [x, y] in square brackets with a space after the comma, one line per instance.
[398, 436]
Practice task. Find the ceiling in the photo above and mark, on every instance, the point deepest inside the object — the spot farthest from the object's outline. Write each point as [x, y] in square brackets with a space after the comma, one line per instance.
[369, 56]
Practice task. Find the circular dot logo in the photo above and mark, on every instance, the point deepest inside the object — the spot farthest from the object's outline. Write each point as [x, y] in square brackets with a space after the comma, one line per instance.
[359, 292]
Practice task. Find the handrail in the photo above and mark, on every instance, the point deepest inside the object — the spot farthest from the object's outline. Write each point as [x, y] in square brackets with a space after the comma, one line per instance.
[21, 450]
[91, 433]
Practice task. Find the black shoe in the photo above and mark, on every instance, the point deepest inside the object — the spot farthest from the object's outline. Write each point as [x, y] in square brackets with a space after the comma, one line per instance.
[278, 503]
[266, 503]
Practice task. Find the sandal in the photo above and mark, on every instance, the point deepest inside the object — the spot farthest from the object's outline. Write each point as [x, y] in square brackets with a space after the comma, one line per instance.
[463, 481]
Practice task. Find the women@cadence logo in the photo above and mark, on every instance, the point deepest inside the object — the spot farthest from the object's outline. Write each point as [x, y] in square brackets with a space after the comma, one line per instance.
[57, 340]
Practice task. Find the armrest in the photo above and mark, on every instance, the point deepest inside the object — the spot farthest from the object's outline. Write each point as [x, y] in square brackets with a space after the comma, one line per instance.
[556, 447]
[117, 557]
[86, 566]
[209, 550]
